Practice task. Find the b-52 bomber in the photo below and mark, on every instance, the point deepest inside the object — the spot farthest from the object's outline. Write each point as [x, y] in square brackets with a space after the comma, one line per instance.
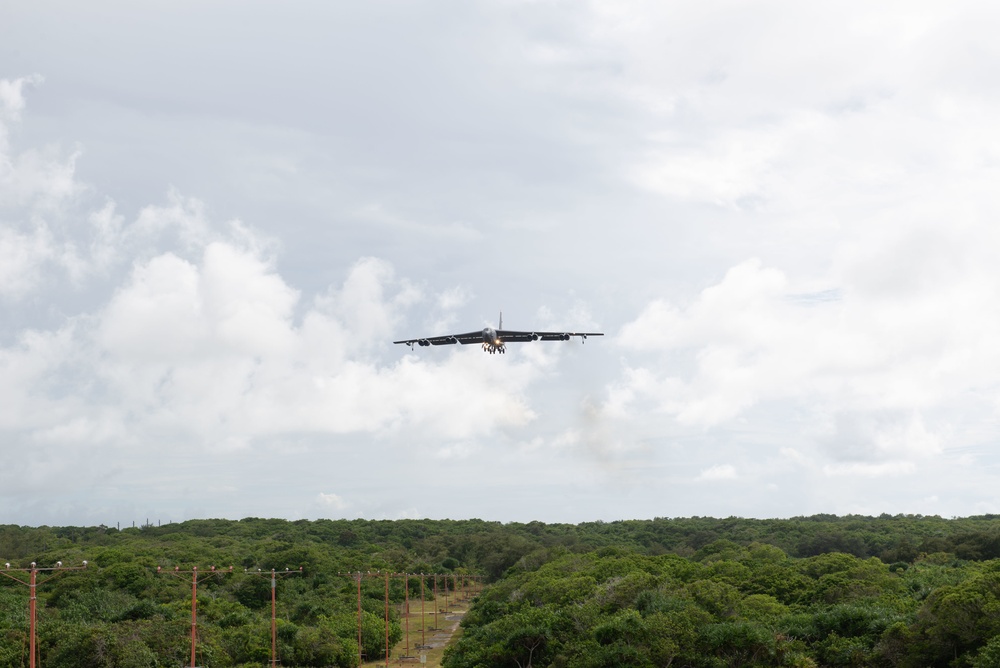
[495, 340]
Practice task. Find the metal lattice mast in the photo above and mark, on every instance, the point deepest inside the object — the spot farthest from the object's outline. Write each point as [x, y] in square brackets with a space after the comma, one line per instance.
[32, 584]
[177, 572]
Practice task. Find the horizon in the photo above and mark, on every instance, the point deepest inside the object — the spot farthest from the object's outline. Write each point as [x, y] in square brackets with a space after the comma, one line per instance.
[826, 517]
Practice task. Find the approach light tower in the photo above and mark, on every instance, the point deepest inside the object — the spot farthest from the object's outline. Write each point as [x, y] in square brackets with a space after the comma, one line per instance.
[32, 584]
[274, 619]
[194, 598]
[357, 577]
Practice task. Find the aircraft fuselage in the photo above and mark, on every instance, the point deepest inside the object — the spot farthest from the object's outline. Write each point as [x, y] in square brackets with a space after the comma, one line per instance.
[491, 342]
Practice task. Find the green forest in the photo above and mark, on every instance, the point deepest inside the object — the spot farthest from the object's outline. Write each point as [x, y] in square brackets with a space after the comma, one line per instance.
[904, 590]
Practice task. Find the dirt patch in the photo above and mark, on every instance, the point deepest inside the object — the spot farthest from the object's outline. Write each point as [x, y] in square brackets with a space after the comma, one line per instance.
[442, 636]
[435, 640]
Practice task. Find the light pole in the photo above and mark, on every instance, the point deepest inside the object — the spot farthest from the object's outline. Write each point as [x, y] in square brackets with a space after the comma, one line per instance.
[423, 617]
[194, 598]
[405, 613]
[387, 618]
[357, 578]
[435, 602]
[274, 620]
[32, 584]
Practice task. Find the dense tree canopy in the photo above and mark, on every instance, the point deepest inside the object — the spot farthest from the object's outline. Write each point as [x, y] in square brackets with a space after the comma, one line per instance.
[822, 590]
[734, 606]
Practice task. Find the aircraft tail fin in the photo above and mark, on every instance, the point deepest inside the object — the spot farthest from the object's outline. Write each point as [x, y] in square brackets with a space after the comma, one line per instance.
[500, 326]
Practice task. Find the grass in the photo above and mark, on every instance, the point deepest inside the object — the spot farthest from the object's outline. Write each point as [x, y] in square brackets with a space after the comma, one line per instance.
[426, 622]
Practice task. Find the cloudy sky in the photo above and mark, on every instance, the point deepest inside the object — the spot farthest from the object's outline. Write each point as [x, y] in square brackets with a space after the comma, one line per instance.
[216, 217]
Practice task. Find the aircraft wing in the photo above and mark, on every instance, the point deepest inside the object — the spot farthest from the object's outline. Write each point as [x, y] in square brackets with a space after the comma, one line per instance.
[467, 338]
[507, 335]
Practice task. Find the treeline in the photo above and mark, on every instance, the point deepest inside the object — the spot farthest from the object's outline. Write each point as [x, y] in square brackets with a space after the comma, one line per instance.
[119, 612]
[492, 547]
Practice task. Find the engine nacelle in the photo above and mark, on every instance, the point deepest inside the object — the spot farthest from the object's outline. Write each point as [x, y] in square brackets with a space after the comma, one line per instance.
[424, 342]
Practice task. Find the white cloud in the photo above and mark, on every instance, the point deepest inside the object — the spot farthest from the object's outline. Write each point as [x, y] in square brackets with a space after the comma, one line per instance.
[21, 259]
[42, 181]
[873, 435]
[457, 450]
[409, 513]
[453, 298]
[32, 392]
[877, 355]
[755, 339]
[12, 101]
[216, 345]
[331, 501]
[42, 242]
[869, 470]
[202, 346]
[718, 472]
[730, 169]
